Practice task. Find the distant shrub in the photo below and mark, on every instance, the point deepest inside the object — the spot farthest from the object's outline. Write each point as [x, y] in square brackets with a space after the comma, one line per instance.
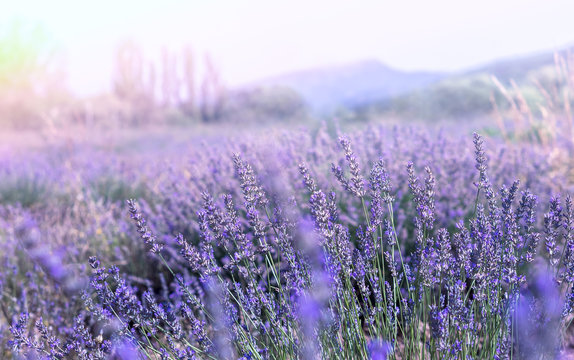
[452, 98]
[263, 104]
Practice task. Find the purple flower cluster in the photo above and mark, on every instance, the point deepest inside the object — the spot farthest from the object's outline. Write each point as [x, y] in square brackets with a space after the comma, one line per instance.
[240, 257]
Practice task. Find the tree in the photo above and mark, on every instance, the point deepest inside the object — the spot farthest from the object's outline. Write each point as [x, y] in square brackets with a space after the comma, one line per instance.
[28, 85]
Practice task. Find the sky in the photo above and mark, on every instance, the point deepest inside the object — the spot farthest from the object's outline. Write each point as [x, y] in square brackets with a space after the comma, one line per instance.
[254, 39]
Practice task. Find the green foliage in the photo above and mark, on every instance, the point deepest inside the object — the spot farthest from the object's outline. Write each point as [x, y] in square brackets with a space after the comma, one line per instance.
[263, 103]
[112, 189]
[29, 85]
[26, 191]
[24, 51]
[454, 97]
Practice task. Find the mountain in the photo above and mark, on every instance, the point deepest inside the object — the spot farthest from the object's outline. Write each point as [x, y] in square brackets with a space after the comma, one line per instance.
[351, 85]
[369, 86]
[519, 67]
[469, 93]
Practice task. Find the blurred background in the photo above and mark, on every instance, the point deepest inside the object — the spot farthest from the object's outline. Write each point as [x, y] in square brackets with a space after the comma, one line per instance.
[85, 72]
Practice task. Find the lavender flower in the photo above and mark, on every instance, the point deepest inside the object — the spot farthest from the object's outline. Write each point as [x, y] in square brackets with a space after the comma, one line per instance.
[430, 267]
[552, 223]
[354, 185]
[149, 238]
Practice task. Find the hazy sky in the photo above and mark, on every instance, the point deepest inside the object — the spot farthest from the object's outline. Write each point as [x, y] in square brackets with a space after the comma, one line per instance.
[252, 39]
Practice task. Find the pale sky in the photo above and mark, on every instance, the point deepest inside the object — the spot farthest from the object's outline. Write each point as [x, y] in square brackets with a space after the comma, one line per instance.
[254, 39]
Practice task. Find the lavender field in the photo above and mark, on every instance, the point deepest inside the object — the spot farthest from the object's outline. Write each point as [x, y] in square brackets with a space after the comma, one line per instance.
[285, 180]
[395, 242]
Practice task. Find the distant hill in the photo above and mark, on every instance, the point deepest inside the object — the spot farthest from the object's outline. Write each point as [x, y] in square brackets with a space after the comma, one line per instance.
[518, 67]
[352, 85]
[370, 87]
[468, 93]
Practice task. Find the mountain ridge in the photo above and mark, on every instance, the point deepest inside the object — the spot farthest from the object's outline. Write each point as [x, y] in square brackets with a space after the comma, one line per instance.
[367, 82]
[352, 84]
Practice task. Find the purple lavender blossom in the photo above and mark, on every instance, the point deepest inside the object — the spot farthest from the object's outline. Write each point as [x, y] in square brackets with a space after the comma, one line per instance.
[379, 349]
[149, 238]
[297, 268]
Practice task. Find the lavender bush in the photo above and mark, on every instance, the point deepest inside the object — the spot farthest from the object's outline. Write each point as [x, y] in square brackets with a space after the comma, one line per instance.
[387, 243]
